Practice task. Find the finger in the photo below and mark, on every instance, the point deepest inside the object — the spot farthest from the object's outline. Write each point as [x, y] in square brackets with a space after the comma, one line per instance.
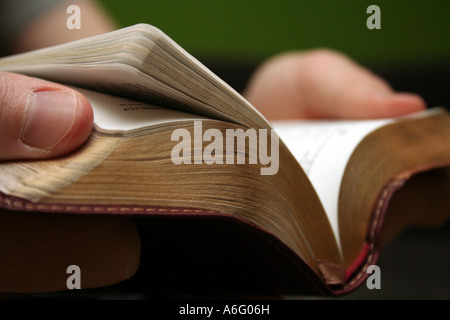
[39, 119]
[324, 84]
[335, 86]
[36, 250]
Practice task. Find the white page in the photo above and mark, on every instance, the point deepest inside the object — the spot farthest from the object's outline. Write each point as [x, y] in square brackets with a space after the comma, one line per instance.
[115, 114]
[323, 149]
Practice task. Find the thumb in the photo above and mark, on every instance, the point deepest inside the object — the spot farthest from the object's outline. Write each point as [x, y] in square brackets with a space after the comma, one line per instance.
[39, 119]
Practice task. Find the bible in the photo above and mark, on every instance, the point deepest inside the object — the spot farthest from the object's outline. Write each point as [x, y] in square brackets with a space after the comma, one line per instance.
[233, 202]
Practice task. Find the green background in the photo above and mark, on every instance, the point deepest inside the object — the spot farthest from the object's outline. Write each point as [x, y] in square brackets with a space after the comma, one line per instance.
[413, 31]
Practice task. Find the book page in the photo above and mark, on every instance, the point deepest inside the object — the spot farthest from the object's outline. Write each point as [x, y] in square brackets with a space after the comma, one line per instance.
[124, 81]
[142, 63]
[121, 116]
[323, 149]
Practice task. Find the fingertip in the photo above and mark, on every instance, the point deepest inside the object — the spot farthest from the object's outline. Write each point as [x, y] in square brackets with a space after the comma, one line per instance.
[80, 130]
[399, 104]
[83, 122]
[382, 104]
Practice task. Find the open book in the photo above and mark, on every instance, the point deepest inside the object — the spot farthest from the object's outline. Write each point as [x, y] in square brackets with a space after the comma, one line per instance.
[306, 200]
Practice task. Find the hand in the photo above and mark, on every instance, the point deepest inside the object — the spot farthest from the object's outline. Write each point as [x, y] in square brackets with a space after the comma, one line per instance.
[39, 119]
[324, 84]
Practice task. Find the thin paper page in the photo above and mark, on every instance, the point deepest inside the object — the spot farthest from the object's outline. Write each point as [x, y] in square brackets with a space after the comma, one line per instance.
[115, 114]
[323, 149]
[113, 77]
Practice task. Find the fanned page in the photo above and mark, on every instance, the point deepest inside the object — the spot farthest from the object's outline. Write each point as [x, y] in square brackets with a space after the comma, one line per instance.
[323, 149]
[122, 116]
[142, 63]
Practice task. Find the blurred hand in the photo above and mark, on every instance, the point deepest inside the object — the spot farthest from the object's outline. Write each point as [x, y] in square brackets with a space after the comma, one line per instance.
[324, 84]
